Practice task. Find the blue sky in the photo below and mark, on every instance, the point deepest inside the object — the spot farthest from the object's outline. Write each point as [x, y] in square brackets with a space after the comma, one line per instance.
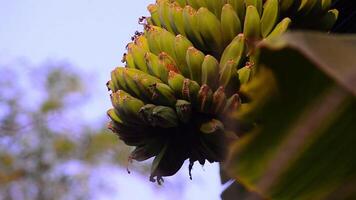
[92, 35]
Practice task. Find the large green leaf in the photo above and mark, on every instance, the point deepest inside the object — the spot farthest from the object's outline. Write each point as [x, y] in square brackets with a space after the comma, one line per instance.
[304, 98]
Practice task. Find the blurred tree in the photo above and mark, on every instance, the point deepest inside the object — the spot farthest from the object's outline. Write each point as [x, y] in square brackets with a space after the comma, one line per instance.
[39, 139]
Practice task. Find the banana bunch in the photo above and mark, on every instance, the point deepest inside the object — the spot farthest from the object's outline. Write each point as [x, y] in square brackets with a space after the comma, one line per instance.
[182, 75]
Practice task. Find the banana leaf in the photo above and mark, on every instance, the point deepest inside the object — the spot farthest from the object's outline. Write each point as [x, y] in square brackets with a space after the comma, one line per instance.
[304, 143]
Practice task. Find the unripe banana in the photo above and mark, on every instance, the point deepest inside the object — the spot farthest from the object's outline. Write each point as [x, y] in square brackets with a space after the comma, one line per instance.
[205, 99]
[184, 110]
[258, 4]
[326, 5]
[181, 45]
[229, 78]
[153, 9]
[176, 19]
[328, 20]
[306, 6]
[117, 79]
[252, 27]
[230, 24]
[155, 67]
[195, 59]
[141, 41]
[163, 12]
[128, 59]
[138, 83]
[167, 43]
[168, 62]
[211, 126]
[152, 34]
[164, 117]
[114, 116]
[175, 81]
[162, 94]
[234, 51]
[182, 3]
[232, 104]
[280, 28]
[193, 3]
[210, 69]
[269, 17]
[239, 7]
[215, 6]
[210, 29]
[127, 107]
[145, 113]
[190, 26]
[219, 100]
[244, 75]
[138, 54]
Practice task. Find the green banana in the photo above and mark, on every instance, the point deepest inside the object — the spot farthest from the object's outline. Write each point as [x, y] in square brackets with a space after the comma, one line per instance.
[162, 94]
[113, 116]
[176, 19]
[269, 17]
[210, 29]
[190, 26]
[280, 28]
[138, 83]
[168, 62]
[182, 3]
[181, 45]
[234, 51]
[211, 126]
[194, 59]
[155, 67]
[141, 41]
[163, 12]
[117, 79]
[306, 7]
[239, 7]
[167, 43]
[205, 99]
[190, 90]
[244, 75]
[152, 34]
[175, 82]
[184, 110]
[164, 117]
[219, 100]
[193, 3]
[215, 6]
[127, 107]
[138, 55]
[328, 20]
[252, 27]
[230, 24]
[326, 5]
[229, 78]
[210, 69]
[258, 4]
[145, 113]
[130, 62]
[232, 104]
[153, 9]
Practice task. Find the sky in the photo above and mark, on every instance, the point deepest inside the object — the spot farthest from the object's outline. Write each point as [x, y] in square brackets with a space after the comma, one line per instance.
[92, 35]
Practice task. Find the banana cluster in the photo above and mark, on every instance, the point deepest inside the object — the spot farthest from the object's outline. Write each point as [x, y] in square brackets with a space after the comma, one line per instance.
[183, 74]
